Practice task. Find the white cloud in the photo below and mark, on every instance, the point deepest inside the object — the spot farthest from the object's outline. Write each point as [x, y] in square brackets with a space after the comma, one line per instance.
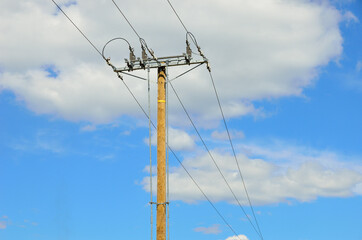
[234, 134]
[88, 93]
[284, 154]
[239, 237]
[261, 49]
[179, 140]
[271, 177]
[214, 229]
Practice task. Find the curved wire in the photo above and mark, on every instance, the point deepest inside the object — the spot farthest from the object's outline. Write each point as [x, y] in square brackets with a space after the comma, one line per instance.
[193, 38]
[117, 38]
[130, 48]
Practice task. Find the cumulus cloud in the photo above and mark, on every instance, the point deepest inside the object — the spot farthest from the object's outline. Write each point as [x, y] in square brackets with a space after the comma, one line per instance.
[179, 140]
[214, 229]
[239, 237]
[234, 134]
[83, 93]
[270, 178]
[262, 49]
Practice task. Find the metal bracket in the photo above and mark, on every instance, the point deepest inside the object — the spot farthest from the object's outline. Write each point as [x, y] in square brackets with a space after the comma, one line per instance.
[155, 203]
[171, 61]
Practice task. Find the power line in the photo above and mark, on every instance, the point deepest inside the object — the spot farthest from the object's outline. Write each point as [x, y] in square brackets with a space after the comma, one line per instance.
[221, 216]
[129, 23]
[177, 15]
[234, 153]
[139, 104]
[212, 158]
[222, 113]
[142, 41]
[95, 48]
[188, 33]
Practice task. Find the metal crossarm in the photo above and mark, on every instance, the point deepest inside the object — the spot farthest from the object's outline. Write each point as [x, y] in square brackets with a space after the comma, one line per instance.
[159, 62]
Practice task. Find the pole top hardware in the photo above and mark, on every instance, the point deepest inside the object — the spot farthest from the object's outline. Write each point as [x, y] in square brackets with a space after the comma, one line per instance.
[180, 60]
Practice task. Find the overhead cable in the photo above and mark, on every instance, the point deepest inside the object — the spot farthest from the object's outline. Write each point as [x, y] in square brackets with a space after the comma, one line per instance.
[95, 48]
[142, 41]
[129, 23]
[234, 153]
[177, 15]
[212, 157]
[188, 34]
[193, 38]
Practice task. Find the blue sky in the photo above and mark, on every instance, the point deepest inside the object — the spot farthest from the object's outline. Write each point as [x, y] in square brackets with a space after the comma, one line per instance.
[73, 143]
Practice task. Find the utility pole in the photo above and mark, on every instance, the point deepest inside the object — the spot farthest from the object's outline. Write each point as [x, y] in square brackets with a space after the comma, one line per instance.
[161, 155]
[161, 64]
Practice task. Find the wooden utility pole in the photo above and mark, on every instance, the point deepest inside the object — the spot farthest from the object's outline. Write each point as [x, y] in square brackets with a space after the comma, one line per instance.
[161, 155]
[160, 63]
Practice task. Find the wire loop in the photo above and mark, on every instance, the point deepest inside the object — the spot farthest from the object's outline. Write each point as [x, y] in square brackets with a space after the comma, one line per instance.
[117, 38]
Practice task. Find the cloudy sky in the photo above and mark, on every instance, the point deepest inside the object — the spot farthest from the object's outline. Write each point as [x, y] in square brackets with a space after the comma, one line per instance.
[74, 155]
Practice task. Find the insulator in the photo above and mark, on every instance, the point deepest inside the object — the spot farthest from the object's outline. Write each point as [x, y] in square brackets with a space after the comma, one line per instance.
[144, 54]
[188, 50]
[132, 57]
